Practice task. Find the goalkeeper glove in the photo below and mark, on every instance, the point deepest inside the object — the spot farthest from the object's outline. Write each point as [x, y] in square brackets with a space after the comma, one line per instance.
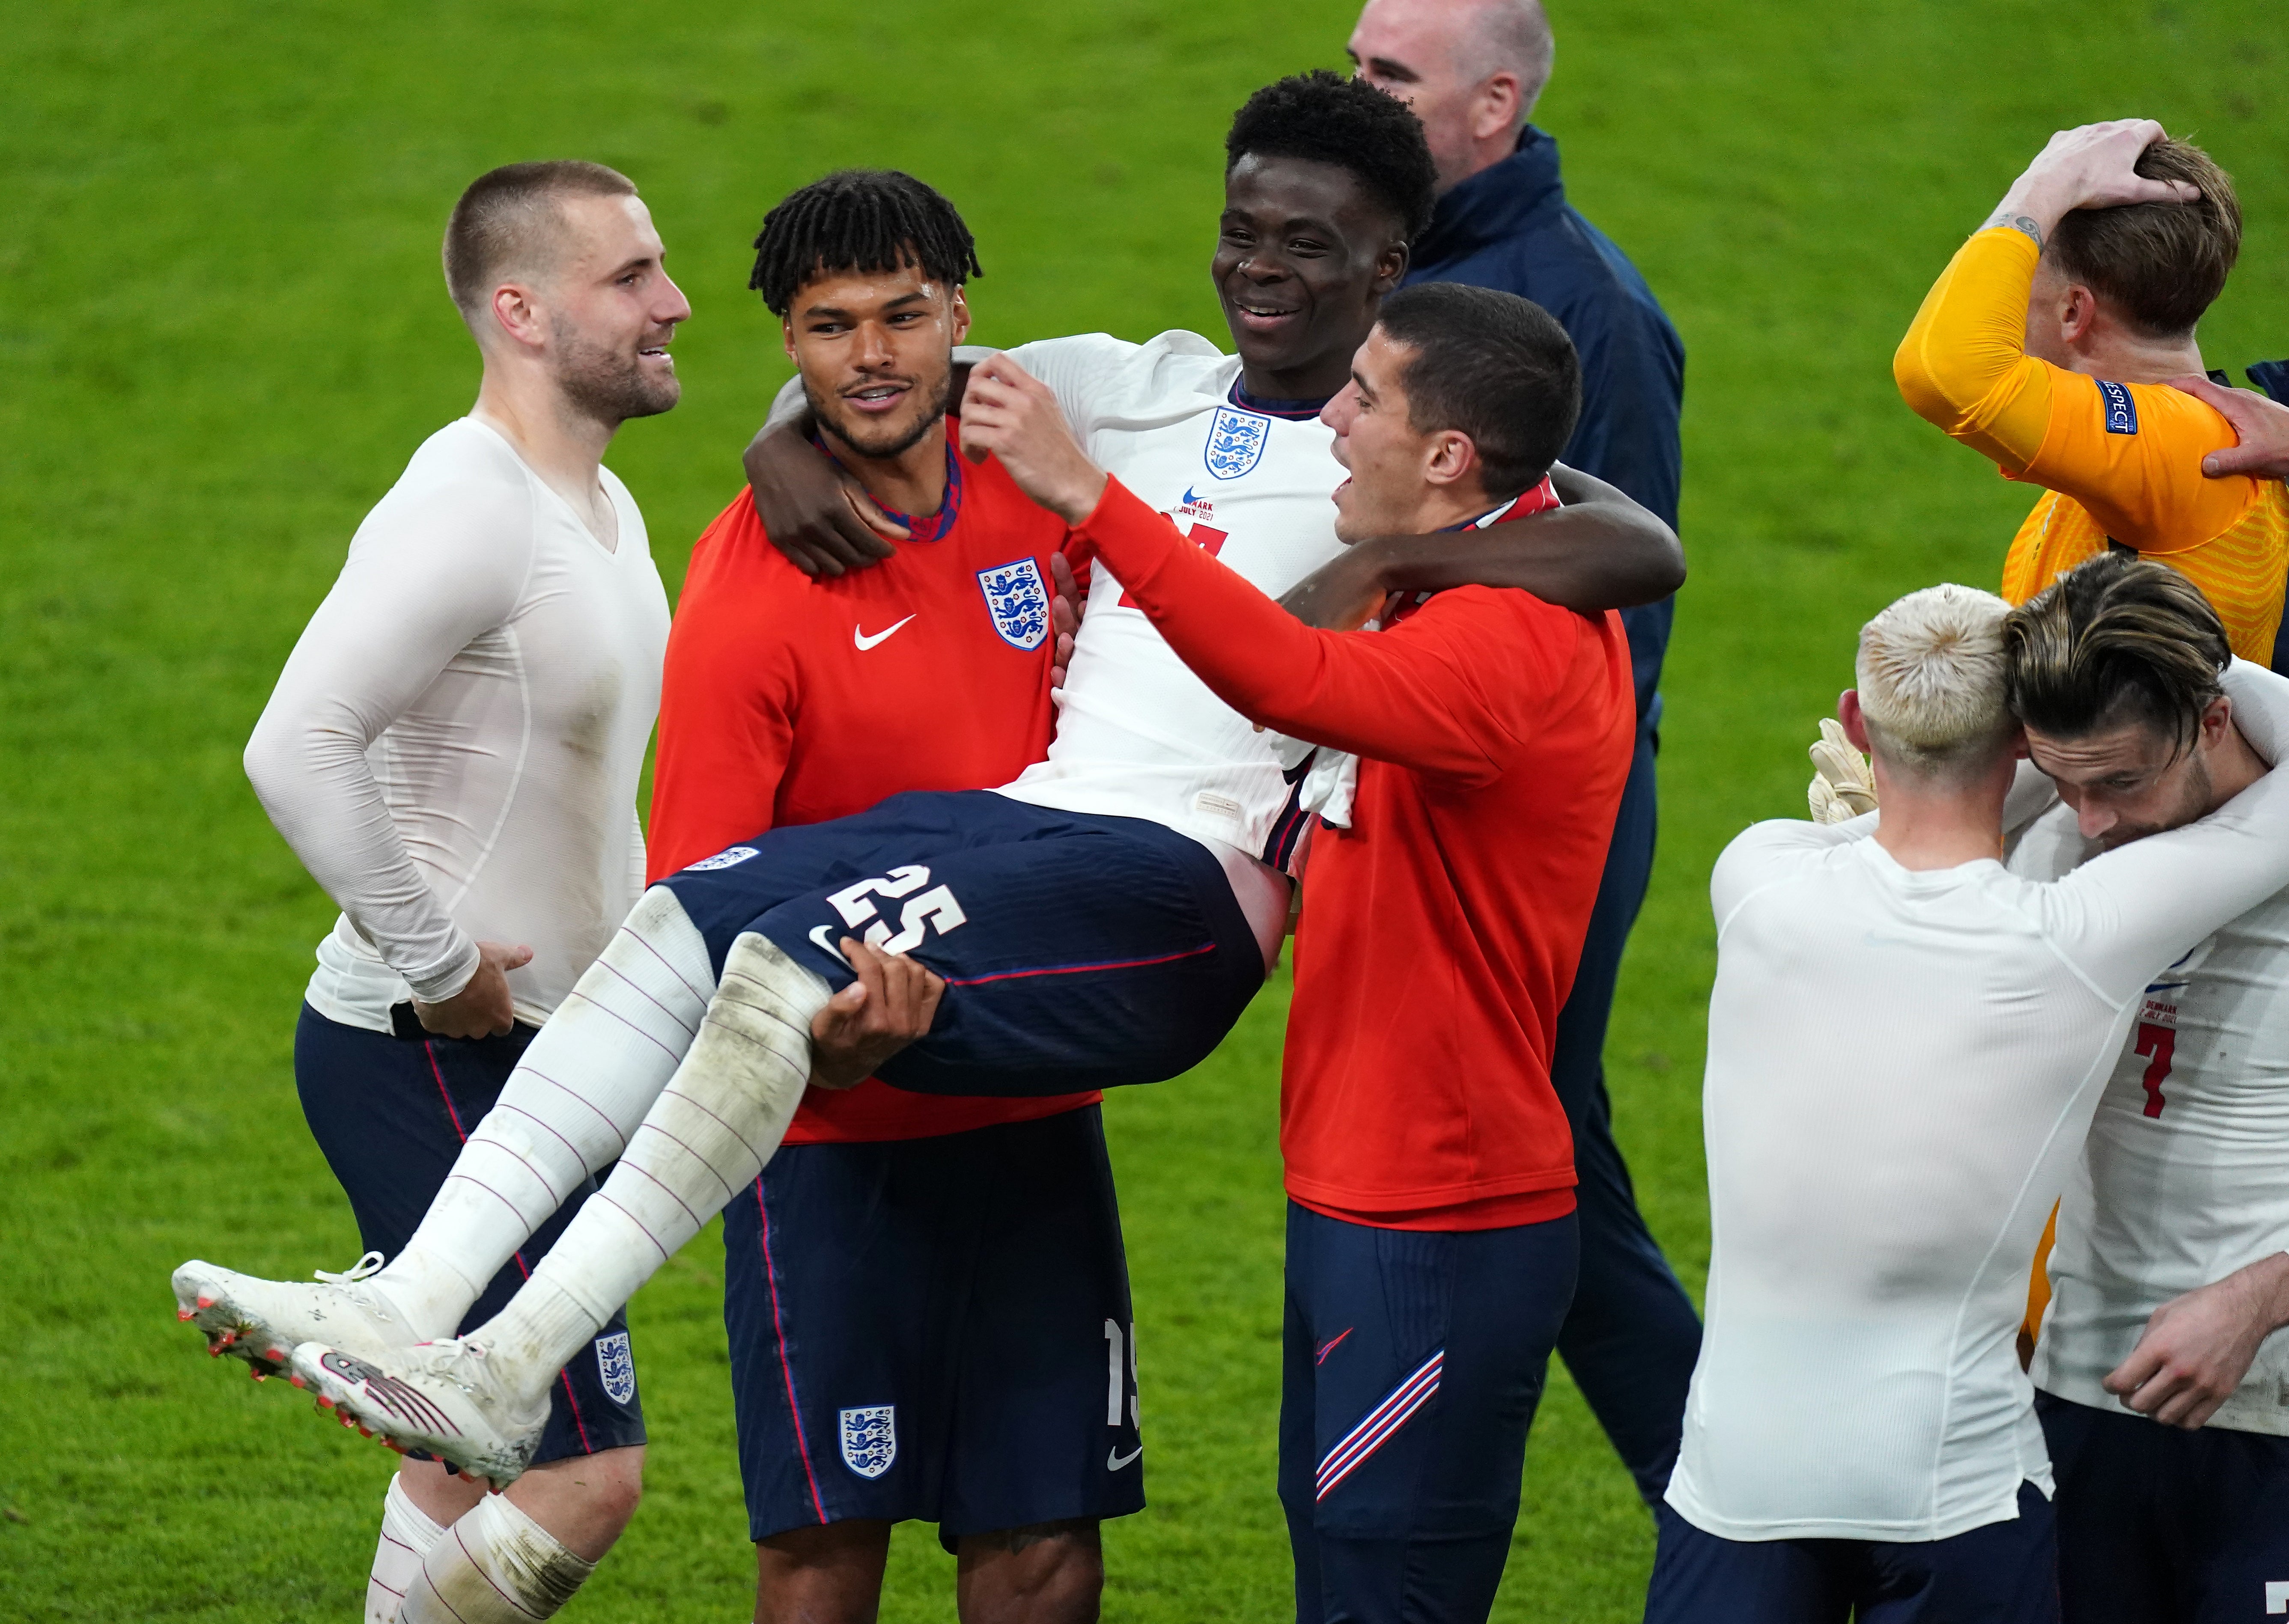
[1842, 787]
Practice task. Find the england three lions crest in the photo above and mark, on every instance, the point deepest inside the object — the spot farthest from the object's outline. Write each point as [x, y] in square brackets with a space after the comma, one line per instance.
[1236, 441]
[870, 1439]
[617, 1366]
[1019, 600]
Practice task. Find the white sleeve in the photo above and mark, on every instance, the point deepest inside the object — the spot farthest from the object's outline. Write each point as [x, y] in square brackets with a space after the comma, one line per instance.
[421, 585]
[1764, 852]
[638, 855]
[1078, 370]
[2126, 913]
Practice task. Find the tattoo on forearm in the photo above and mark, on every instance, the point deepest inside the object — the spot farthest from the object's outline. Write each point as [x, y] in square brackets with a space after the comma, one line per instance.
[2017, 222]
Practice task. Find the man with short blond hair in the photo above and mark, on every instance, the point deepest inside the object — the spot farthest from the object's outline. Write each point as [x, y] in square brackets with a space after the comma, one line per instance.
[1906, 1044]
[453, 752]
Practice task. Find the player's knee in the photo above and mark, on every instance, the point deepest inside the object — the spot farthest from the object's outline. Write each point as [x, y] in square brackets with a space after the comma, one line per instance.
[616, 1486]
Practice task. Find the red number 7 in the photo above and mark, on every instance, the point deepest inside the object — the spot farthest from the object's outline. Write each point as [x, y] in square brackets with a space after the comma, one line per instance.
[2160, 1042]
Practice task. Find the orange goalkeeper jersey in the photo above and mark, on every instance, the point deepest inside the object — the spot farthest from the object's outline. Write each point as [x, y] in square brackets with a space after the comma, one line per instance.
[2119, 463]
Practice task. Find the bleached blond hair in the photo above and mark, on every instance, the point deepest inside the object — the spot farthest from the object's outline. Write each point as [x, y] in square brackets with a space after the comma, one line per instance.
[1932, 679]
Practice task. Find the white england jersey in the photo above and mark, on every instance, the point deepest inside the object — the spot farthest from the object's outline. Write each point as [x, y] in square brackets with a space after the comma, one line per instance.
[1901, 1068]
[2181, 1181]
[454, 745]
[1138, 735]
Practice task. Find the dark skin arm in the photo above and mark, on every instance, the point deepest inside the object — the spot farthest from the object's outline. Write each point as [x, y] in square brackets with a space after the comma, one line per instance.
[1601, 551]
[814, 512]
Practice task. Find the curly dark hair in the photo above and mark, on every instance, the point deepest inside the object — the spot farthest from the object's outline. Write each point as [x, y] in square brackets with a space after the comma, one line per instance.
[1324, 118]
[860, 220]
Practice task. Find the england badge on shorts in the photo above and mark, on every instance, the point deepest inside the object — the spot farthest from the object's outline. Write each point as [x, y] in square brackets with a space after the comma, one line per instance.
[617, 1367]
[1019, 600]
[1236, 440]
[870, 1439]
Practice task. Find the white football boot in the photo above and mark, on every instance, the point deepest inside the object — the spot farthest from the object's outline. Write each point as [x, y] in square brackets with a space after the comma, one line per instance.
[443, 1396]
[264, 1321]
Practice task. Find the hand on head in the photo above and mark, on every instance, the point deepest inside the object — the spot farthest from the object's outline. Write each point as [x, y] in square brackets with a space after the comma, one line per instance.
[2092, 166]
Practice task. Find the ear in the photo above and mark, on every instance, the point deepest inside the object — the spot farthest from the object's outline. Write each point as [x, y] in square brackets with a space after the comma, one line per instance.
[1390, 268]
[2216, 724]
[1494, 109]
[786, 335]
[1855, 725]
[517, 313]
[1449, 457]
[960, 315]
[2077, 313]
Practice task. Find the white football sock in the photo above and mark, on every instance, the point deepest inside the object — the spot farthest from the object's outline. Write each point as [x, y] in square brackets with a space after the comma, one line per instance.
[569, 1109]
[713, 1128]
[494, 1566]
[407, 1533]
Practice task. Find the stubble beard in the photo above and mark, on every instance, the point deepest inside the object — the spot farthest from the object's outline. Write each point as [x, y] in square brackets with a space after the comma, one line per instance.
[879, 441]
[2193, 802]
[609, 386]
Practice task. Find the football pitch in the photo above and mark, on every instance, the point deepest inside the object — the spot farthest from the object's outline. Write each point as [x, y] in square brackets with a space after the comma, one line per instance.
[225, 330]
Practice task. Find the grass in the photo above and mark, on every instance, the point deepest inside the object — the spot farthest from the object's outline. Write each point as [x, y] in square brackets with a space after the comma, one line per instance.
[223, 333]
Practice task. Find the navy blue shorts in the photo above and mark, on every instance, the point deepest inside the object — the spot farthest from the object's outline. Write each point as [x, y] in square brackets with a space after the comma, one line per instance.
[2004, 1573]
[390, 1114]
[1414, 1362]
[1079, 952]
[2162, 1526]
[934, 1329]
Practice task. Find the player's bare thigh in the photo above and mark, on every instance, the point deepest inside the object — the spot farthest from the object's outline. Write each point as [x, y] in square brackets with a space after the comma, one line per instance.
[583, 1501]
[1049, 1574]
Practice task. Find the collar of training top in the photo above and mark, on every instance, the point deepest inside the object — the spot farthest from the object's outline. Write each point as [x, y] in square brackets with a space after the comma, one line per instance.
[928, 527]
[1498, 202]
[1295, 411]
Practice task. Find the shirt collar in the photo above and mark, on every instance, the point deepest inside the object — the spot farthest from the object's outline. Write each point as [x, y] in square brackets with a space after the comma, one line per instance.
[1295, 411]
[1495, 203]
[927, 527]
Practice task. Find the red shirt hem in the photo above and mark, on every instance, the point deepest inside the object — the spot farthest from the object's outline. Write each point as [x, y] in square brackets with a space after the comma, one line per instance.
[1486, 1213]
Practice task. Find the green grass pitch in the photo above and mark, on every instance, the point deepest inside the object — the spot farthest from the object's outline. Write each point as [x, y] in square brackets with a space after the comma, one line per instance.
[223, 331]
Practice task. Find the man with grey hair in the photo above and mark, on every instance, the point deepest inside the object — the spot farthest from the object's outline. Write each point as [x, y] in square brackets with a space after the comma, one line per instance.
[453, 753]
[1472, 70]
[1906, 1045]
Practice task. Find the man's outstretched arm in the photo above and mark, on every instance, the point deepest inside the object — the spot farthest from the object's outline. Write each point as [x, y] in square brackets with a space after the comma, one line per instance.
[1601, 551]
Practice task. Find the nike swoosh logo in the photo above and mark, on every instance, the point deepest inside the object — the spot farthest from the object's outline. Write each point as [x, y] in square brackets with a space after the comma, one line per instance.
[825, 938]
[865, 642]
[1115, 1459]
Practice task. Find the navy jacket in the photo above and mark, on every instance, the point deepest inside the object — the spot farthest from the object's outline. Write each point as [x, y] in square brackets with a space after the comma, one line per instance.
[1510, 227]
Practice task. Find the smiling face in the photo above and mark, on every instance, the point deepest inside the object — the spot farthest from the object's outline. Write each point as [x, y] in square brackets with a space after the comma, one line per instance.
[1402, 481]
[611, 309]
[876, 352]
[1304, 255]
[2127, 782]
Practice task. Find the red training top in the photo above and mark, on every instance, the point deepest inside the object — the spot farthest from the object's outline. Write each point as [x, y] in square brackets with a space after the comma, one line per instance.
[789, 700]
[1444, 926]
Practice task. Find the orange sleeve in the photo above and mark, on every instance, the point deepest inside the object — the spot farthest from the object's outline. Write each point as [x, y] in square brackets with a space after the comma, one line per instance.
[2130, 453]
[726, 700]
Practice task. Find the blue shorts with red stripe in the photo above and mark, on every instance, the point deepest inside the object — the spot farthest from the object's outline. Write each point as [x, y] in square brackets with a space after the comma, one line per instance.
[390, 1114]
[1414, 1362]
[934, 1329]
[1079, 952]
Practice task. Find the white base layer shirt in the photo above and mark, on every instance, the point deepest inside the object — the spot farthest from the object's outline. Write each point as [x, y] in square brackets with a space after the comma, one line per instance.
[454, 746]
[1901, 1068]
[1138, 735]
[2184, 1177]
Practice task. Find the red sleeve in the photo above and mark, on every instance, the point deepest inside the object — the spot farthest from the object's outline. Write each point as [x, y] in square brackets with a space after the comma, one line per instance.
[1406, 696]
[726, 702]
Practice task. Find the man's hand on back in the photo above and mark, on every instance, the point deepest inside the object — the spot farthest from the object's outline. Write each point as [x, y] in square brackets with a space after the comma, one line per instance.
[890, 1004]
[2261, 424]
[483, 1008]
[1014, 416]
[2091, 167]
[813, 511]
[2196, 1348]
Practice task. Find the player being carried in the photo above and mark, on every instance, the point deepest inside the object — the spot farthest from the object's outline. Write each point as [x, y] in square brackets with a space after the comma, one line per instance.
[1097, 922]
[2049, 343]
